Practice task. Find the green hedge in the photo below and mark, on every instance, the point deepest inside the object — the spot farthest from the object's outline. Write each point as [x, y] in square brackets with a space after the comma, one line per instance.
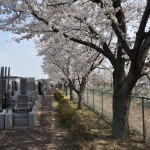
[71, 117]
[58, 94]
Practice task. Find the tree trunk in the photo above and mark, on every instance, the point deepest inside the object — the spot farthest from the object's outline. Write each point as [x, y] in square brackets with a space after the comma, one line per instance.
[80, 99]
[122, 89]
[71, 93]
[65, 89]
[121, 105]
[81, 93]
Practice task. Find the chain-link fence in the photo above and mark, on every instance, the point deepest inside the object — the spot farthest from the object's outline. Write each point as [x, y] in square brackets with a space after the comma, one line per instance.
[139, 118]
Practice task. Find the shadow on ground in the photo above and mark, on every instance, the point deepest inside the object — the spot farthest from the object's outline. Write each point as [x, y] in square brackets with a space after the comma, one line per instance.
[47, 135]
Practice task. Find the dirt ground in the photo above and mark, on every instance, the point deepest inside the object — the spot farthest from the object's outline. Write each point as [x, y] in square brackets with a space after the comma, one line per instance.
[47, 135]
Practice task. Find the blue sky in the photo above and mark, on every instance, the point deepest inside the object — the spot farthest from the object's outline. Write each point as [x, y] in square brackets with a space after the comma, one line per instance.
[20, 57]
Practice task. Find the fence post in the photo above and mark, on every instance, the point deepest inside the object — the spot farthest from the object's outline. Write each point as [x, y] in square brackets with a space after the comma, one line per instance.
[143, 119]
[102, 104]
[93, 99]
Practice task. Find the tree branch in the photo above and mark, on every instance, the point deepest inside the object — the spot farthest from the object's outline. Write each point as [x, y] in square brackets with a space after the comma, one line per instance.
[98, 49]
[73, 86]
[122, 39]
[94, 67]
[110, 55]
[98, 1]
[144, 48]
[35, 14]
[90, 27]
[144, 74]
[140, 33]
[117, 29]
[58, 4]
[79, 80]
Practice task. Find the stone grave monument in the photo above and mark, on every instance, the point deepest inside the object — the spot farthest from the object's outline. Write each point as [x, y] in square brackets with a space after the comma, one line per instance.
[22, 101]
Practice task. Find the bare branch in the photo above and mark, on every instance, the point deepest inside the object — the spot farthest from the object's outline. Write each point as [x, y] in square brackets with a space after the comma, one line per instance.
[148, 77]
[144, 48]
[122, 39]
[95, 66]
[111, 37]
[58, 4]
[79, 80]
[141, 30]
[18, 14]
[110, 55]
[144, 74]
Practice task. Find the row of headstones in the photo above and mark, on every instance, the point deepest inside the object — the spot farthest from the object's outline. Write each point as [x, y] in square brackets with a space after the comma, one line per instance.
[21, 94]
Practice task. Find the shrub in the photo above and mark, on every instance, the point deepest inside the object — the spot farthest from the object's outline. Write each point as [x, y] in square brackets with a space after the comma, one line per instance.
[66, 112]
[79, 129]
[71, 117]
[58, 95]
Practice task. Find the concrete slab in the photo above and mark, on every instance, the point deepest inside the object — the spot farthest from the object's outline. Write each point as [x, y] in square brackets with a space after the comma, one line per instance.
[21, 121]
[32, 117]
[9, 119]
[2, 119]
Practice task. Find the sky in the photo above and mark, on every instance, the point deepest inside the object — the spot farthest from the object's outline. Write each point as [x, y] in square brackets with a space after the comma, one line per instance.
[20, 57]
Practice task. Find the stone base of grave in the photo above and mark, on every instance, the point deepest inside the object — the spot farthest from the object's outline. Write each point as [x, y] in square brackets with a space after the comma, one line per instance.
[2, 119]
[32, 117]
[11, 120]
[26, 120]
[20, 119]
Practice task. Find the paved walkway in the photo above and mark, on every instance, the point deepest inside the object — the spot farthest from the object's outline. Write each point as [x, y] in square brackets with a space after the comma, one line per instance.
[47, 135]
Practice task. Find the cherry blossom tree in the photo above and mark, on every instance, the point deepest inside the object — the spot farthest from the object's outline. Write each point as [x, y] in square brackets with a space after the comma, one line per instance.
[118, 29]
[73, 60]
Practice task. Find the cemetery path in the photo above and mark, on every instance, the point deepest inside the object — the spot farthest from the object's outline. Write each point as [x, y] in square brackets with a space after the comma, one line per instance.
[47, 135]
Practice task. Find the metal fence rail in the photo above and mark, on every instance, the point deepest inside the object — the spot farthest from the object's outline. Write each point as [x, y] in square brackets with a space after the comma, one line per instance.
[139, 118]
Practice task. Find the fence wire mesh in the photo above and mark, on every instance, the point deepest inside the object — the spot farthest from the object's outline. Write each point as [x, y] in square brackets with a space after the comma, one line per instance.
[139, 117]
[135, 117]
